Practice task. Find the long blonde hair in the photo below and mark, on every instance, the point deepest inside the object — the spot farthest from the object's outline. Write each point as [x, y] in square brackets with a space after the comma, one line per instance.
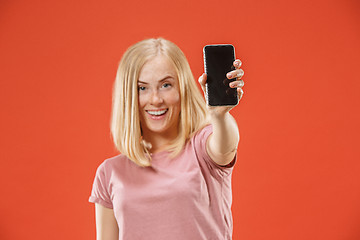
[125, 120]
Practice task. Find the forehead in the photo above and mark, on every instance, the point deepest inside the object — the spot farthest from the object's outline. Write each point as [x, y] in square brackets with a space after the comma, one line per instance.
[157, 68]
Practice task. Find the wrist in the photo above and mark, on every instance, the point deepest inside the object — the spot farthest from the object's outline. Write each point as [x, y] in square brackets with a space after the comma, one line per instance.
[219, 115]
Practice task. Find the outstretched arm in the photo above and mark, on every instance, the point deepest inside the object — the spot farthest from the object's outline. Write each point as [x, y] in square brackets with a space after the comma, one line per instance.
[222, 143]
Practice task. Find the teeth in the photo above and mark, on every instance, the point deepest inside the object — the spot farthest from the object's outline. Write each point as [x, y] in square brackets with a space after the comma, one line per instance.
[157, 113]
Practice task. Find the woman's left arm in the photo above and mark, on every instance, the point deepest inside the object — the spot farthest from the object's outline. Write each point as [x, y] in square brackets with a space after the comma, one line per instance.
[222, 143]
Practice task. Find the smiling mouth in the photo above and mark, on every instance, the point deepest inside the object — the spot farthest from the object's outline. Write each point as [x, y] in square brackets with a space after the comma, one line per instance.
[157, 112]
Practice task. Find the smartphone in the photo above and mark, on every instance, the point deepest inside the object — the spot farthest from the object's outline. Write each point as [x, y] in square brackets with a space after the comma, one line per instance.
[218, 61]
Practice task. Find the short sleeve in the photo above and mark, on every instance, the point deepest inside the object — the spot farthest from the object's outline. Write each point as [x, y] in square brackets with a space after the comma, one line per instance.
[200, 145]
[100, 193]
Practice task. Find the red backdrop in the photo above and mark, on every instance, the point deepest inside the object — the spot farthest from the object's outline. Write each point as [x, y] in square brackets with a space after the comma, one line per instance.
[298, 171]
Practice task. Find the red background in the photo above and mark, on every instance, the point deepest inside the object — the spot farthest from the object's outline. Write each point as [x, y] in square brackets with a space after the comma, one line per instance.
[298, 171]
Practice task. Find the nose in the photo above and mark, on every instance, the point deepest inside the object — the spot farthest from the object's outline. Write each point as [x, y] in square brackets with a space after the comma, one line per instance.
[156, 98]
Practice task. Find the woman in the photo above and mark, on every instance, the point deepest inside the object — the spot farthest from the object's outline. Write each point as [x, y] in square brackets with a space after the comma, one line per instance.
[172, 179]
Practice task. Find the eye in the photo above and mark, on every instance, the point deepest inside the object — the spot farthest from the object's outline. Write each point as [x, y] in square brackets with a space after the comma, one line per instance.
[141, 88]
[166, 85]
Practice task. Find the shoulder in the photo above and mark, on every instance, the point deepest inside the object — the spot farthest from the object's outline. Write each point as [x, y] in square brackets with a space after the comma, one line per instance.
[205, 130]
[199, 142]
[104, 179]
[114, 162]
[113, 169]
[203, 133]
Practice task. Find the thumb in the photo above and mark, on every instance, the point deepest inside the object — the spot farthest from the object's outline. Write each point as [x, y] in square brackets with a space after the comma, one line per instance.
[202, 81]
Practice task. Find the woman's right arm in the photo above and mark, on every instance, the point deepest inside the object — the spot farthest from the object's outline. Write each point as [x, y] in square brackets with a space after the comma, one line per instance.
[106, 225]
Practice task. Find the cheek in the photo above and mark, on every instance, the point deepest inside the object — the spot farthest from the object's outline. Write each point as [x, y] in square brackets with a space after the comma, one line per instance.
[141, 101]
[174, 98]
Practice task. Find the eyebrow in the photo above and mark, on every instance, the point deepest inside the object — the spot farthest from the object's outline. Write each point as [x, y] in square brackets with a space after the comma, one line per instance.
[161, 80]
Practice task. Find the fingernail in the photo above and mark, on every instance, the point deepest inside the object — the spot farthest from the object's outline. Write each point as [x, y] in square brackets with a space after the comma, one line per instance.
[229, 75]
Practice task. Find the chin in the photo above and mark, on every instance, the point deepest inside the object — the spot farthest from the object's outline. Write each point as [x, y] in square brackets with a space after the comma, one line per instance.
[158, 129]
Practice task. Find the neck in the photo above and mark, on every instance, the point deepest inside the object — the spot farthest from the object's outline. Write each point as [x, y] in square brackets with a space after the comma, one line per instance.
[159, 142]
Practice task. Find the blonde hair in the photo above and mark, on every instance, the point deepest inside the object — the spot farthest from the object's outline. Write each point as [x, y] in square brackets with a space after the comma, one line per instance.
[125, 120]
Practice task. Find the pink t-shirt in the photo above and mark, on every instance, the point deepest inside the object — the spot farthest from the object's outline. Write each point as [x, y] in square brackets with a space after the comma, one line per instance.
[187, 197]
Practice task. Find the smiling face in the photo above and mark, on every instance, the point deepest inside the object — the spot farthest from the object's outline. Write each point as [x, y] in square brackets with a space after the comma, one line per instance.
[159, 98]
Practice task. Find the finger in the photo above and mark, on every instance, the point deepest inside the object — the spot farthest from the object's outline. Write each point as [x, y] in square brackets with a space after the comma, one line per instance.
[202, 80]
[237, 63]
[237, 84]
[235, 74]
[240, 93]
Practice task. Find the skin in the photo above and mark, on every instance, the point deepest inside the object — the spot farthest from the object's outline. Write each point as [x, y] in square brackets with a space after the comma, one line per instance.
[106, 225]
[159, 90]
